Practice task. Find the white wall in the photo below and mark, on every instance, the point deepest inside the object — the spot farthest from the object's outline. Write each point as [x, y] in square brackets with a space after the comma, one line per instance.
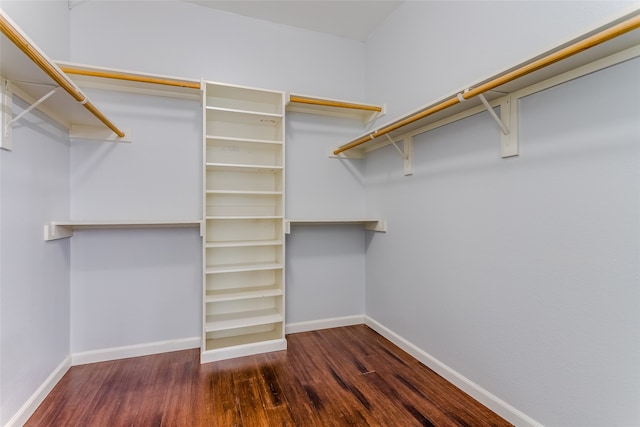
[520, 274]
[46, 22]
[183, 39]
[325, 275]
[34, 278]
[157, 175]
[34, 188]
[131, 287]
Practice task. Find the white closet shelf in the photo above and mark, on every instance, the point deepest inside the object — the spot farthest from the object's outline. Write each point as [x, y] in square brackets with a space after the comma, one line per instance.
[241, 345]
[246, 192]
[238, 139]
[370, 224]
[237, 268]
[34, 77]
[223, 322]
[62, 229]
[242, 167]
[243, 243]
[258, 114]
[614, 38]
[243, 117]
[334, 107]
[132, 81]
[217, 217]
[243, 293]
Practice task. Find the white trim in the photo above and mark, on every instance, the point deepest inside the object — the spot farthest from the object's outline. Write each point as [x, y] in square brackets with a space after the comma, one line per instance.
[486, 398]
[30, 406]
[314, 325]
[137, 350]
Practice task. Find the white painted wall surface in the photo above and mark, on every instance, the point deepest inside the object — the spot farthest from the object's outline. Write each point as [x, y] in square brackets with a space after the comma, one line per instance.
[34, 187]
[326, 277]
[522, 274]
[179, 38]
[34, 275]
[133, 287]
[319, 186]
[46, 22]
[157, 176]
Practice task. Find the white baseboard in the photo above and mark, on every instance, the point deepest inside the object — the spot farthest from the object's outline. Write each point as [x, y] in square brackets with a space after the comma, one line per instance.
[314, 325]
[489, 400]
[137, 350]
[30, 406]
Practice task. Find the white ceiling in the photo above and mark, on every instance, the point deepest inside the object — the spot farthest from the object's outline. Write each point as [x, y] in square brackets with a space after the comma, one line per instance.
[354, 19]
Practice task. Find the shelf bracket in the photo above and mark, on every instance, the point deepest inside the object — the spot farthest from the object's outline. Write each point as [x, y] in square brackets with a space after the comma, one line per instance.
[55, 232]
[379, 226]
[493, 114]
[33, 106]
[509, 115]
[406, 153]
[404, 156]
[509, 146]
[6, 113]
[369, 121]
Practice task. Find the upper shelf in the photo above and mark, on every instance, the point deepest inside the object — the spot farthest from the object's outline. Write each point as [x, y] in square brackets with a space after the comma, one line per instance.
[36, 75]
[131, 81]
[333, 107]
[612, 38]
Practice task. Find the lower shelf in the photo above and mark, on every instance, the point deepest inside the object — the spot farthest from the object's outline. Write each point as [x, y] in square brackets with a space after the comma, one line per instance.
[62, 229]
[370, 224]
[239, 346]
[243, 319]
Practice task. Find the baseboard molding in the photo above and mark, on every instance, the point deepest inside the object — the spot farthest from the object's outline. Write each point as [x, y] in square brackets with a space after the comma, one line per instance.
[30, 406]
[314, 325]
[489, 400]
[137, 350]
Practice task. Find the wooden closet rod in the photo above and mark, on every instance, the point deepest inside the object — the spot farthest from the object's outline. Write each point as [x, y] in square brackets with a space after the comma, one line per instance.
[131, 77]
[328, 103]
[51, 69]
[589, 42]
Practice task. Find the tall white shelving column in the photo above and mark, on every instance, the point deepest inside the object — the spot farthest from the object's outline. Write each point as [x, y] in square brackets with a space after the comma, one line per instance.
[243, 245]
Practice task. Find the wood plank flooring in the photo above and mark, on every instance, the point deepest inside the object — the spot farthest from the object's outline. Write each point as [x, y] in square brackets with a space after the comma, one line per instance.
[347, 376]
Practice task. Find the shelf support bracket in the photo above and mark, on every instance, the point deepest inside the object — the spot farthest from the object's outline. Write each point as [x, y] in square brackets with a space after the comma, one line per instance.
[396, 146]
[33, 106]
[55, 232]
[509, 115]
[6, 112]
[493, 114]
[509, 146]
[406, 153]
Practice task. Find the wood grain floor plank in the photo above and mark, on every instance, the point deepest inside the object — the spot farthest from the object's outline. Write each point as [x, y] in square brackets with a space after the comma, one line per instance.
[331, 378]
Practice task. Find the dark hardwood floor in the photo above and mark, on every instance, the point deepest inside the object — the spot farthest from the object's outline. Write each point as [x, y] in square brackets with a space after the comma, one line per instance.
[334, 377]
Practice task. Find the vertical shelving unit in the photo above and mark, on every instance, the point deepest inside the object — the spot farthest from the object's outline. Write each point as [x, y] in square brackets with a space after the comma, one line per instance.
[243, 245]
